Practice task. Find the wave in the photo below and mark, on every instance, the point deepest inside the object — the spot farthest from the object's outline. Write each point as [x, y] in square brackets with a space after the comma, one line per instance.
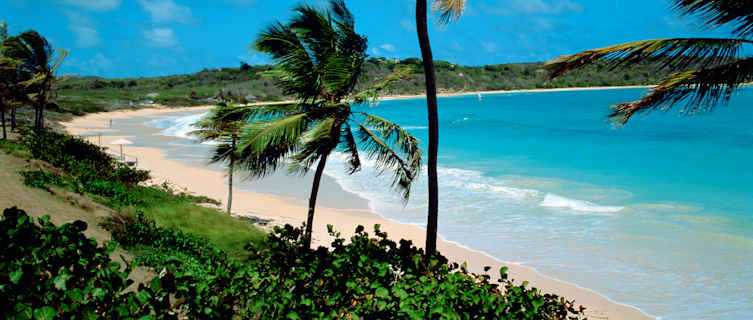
[469, 184]
[180, 126]
[555, 201]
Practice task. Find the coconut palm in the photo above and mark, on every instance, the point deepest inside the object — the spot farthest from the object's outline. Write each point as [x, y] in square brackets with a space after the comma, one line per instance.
[450, 11]
[225, 131]
[319, 58]
[36, 54]
[709, 70]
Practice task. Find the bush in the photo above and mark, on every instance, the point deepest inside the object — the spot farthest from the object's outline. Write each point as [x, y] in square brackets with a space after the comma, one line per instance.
[80, 158]
[49, 272]
[372, 278]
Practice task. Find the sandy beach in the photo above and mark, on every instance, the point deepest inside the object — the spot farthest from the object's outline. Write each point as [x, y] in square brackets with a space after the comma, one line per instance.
[281, 210]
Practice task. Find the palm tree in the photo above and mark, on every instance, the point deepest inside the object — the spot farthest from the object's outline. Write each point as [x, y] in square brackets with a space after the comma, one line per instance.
[224, 130]
[319, 59]
[709, 70]
[450, 10]
[4, 79]
[36, 53]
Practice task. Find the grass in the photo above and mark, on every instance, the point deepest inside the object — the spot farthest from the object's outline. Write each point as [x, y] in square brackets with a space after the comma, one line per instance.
[163, 205]
[223, 231]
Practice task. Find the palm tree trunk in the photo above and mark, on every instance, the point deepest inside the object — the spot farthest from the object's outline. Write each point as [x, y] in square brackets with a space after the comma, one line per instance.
[312, 201]
[39, 121]
[230, 178]
[5, 134]
[431, 104]
[13, 118]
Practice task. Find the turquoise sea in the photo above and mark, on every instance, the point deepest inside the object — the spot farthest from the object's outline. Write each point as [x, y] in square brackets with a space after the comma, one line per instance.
[657, 214]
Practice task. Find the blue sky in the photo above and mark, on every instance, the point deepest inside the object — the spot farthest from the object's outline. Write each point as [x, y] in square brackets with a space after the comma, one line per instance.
[134, 38]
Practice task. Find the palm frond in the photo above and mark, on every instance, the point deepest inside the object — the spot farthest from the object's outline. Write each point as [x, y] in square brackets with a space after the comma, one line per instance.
[317, 141]
[261, 164]
[393, 133]
[405, 170]
[675, 53]
[299, 73]
[62, 54]
[701, 89]
[372, 94]
[720, 12]
[260, 135]
[449, 10]
[349, 144]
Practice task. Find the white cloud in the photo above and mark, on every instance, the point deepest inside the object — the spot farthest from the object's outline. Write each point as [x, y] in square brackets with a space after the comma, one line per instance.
[167, 11]
[161, 37]
[83, 29]
[97, 65]
[551, 7]
[388, 47]
[86, 36]
[254, 59]
[93, 5]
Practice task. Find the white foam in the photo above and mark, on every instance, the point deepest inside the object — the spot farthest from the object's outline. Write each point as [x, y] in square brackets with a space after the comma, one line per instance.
[555, 201]
[178, 126]
[503, 190]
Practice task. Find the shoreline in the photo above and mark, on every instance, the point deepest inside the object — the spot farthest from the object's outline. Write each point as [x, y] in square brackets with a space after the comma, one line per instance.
[212, 183]
[493, 92]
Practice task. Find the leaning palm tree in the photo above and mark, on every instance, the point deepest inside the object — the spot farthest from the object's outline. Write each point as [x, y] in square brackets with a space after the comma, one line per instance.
[450, 11]
[224, 131]
[319, 58]
[709, 70]
[36, 53]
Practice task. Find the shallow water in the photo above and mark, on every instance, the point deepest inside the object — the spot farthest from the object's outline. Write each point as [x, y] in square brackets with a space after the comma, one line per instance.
[656, 214]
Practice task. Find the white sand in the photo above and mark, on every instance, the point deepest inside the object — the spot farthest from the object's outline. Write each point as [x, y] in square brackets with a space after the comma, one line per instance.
[213, 184]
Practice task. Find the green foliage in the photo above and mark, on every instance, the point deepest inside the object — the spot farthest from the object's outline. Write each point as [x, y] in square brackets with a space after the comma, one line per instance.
[88, 94]
[81, 159]
[369, 277]
[42, 180]
[49, 272]
[14, 148]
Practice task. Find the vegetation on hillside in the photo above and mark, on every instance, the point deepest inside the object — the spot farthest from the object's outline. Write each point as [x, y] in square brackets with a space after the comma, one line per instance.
[249, 84]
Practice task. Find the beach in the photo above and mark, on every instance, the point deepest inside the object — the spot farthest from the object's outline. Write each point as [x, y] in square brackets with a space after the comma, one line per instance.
[285, 209]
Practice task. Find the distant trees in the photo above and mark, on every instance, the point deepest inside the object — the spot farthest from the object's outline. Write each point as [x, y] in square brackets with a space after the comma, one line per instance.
[319, 58]
[705, 70]
[35, 69]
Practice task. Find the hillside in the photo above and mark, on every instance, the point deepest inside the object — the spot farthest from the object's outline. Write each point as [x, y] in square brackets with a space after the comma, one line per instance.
[247, 84]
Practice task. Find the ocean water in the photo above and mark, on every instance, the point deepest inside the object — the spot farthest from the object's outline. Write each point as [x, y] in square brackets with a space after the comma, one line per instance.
[657, 214]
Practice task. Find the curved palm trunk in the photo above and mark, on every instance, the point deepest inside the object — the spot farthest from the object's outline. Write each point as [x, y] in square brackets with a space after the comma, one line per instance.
[431, 104]
[230, 177]
[312, 201]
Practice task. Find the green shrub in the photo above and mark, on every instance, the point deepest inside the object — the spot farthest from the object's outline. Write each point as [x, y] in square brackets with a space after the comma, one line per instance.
[42, 180]
[373, 278]
[49, 272]
[81, 159]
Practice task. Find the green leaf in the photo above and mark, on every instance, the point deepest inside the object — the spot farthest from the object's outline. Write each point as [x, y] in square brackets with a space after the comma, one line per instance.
[15, 276]
[60, 281]
[44, 313]
[382, 293]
